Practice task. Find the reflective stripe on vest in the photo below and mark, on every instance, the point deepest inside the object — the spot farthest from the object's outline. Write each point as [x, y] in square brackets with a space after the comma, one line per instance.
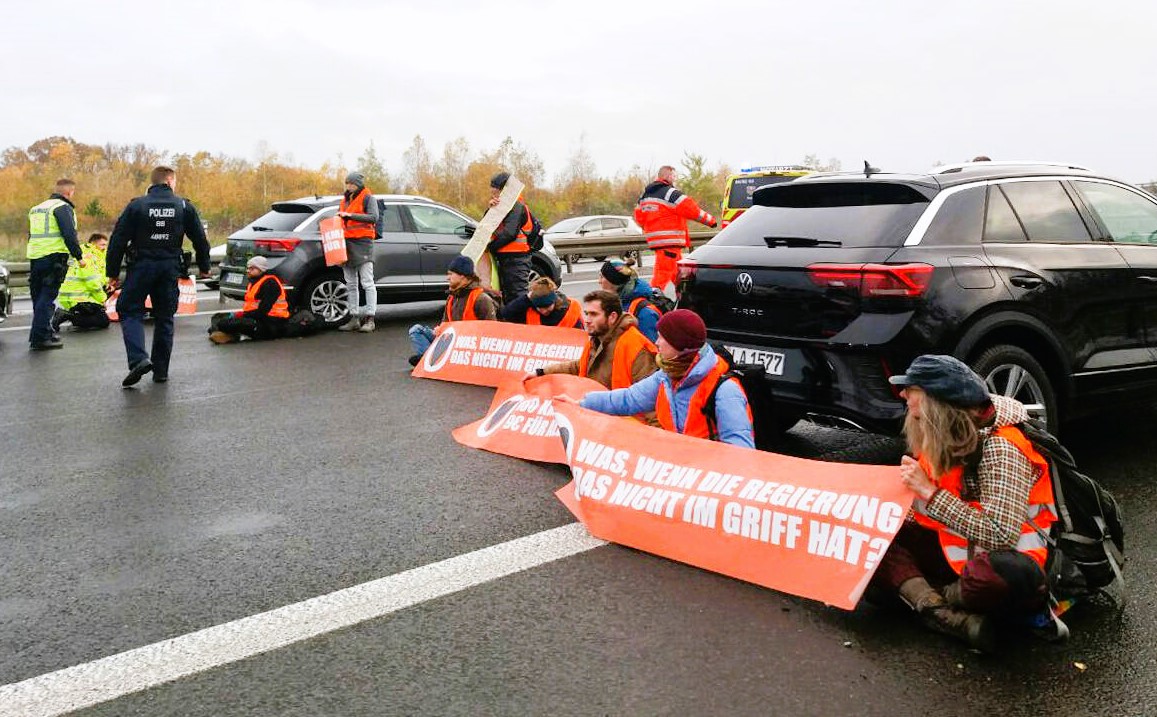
[627, 348]
[280, 308]
[352, 228]
[44, 235]
[520, 245]
[1041, 509]
[84, 285]
[467, 313]
[572, 319]
[695, 424]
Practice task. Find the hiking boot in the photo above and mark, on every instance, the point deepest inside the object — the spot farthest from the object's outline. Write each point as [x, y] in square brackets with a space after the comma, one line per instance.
[367, 326]
[936, 614]
[351, 324]
[47, 345]
[137, 373]
[220, 337]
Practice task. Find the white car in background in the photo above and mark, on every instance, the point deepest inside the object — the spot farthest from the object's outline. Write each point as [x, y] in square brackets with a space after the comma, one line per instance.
[577, 230]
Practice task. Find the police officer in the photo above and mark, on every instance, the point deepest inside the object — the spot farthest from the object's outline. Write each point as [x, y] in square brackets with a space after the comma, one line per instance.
[51, 239]
[149, 233]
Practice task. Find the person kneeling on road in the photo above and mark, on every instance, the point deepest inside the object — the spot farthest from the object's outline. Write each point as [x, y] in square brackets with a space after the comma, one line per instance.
[690, 394]
[468, 301]
[265, 312]
[83, 294]
[972, 551]
[544, 305]
[617, 354]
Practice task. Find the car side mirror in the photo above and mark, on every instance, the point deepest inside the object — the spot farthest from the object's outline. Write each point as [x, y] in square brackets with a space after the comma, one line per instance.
[465, 231]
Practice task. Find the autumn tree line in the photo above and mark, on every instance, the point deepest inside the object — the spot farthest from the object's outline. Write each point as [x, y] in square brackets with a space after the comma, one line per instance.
[230, 192]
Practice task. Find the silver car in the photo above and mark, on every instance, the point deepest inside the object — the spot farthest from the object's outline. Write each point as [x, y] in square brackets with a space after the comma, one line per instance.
[578, 230]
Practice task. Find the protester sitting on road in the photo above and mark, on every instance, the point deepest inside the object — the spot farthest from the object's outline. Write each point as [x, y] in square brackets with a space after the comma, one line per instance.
[82, 295]
[618, 354]
[468, 301]
[970, 552]
[634, 291]
[544, 305]
[680, 394]
[265, 312]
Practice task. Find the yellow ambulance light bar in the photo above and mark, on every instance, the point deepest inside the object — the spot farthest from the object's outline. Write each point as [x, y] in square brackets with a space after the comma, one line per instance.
[776, 168]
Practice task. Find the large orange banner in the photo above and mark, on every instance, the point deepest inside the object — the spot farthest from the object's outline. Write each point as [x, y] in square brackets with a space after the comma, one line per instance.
[804, 527]
[490, 353]
[520, 421]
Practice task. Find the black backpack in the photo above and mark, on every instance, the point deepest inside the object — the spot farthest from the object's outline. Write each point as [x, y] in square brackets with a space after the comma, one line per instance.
[534, 236]
[1087, 542]
[661, 301]
[751, 378]
[303, 322]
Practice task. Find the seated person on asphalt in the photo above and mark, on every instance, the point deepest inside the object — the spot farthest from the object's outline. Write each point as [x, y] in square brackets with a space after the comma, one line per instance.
[468, 301]
[84, 291]
[622, 278]
[969, 554]
[265, 313]
[544, 305]
[679, 393]
[617, 354]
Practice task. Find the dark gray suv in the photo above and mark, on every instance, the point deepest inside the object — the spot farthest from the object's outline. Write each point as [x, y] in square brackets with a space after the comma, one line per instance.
[419, 237]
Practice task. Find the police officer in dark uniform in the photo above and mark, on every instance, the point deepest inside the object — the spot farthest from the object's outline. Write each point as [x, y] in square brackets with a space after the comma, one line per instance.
[149, 232]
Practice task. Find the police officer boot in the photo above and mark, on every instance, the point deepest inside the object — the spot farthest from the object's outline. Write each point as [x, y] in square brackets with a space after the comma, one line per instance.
[938, 615]
[59, 316]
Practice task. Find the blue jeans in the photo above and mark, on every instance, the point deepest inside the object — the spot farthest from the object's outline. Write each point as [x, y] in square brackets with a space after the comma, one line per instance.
[45, 275]
[156, 279]
[421, 337]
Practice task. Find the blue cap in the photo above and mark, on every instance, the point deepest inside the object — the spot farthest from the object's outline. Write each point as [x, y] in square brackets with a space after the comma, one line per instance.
[462, 264]
[946, 378]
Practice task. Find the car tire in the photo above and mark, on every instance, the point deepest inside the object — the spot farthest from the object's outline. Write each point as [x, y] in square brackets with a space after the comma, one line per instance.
[573, 258]
[325, 296]
[599, 258]
[1011, 371]
[539, 268]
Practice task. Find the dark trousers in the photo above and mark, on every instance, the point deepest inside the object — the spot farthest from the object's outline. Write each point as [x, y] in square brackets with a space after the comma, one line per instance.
[45, 275]
[257, 329]
[514, 275]
[1004, 582]
[86, 315]
[157, 280]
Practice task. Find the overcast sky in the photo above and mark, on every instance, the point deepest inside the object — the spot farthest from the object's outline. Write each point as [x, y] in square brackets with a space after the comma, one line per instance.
[903, 84]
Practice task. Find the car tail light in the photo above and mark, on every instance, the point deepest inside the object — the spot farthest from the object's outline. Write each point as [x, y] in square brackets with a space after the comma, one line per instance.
[686, 270]
[277, 245]
[874, 280]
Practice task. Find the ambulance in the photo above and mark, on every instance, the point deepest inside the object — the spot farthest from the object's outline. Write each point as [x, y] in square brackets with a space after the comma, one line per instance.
[740, 187]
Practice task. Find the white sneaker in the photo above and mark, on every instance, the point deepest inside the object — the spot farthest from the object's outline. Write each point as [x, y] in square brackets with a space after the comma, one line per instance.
[367, 326]
[351, 324]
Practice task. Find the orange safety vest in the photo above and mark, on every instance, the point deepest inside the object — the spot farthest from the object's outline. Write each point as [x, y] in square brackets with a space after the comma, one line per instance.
[354, 229]
[627, 349]
[280, 308]
[1041, 508]
[468, 314]
[663, 217]
[520, 245]
[696, 424]
[573, 319]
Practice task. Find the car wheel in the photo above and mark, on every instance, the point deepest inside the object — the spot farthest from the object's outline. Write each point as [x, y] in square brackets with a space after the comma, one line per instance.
[325, 296]
[541, 268]
[599, 258]
[1011, 371]
[573, 258]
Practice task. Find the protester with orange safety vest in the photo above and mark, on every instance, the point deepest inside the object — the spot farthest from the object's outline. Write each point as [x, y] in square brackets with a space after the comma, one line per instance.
[264, 314]
[662, 212]
[617, 354]
[622, 278]
[681, 394]
[468, 301]
[544, 305]
[509, 244]
[359, 215]
[973, 549]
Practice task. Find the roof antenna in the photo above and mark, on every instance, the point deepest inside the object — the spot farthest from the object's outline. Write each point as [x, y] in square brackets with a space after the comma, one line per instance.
[869, 170]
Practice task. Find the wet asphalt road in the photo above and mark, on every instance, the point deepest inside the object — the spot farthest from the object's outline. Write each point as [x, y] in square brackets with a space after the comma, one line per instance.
[267, 474]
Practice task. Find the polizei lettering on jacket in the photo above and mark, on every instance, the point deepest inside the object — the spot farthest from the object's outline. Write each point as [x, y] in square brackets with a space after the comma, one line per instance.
[162, 212]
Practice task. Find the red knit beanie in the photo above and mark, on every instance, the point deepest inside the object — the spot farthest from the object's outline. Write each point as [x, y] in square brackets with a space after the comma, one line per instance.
[683, 329]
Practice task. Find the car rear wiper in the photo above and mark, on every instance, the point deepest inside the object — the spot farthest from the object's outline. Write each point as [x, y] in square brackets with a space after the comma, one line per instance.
[799, 241]
[260, 229]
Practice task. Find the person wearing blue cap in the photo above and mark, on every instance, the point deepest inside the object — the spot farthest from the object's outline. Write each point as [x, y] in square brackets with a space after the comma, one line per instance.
[468, 301]
[544, 305]
[972, 552]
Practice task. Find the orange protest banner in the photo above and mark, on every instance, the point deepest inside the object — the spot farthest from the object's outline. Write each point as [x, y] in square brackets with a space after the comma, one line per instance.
[187, 296]
[490, 353]
[332, 241]
[809, 528]
[520, 421]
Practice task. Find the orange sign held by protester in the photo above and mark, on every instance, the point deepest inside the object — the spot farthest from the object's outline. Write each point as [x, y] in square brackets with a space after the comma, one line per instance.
[489, 353]
[187, 296]
[333, 241]
[809, 528]
[520, 421]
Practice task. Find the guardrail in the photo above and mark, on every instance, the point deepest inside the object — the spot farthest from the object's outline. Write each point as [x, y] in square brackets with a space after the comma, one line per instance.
[618, 246]
[18, 274]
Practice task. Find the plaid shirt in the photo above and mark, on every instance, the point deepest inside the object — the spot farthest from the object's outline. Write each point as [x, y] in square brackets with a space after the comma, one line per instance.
[1000, 484]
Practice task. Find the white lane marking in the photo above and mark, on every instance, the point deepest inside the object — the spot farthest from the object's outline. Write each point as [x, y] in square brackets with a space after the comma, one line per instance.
[115, 676]
[175, 316]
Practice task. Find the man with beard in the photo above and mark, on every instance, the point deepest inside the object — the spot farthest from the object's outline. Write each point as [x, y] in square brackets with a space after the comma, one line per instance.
[618, 354]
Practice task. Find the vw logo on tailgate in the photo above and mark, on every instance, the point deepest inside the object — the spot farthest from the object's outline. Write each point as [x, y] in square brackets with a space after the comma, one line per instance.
[743, 283]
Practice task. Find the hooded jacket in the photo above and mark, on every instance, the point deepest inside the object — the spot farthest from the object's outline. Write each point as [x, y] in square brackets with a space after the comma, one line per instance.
[648, 316]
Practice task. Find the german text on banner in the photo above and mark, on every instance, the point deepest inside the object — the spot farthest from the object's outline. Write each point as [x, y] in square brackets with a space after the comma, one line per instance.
[490, 353]
[332, 240]
[186, 296]
[520, 421]
[809, 528]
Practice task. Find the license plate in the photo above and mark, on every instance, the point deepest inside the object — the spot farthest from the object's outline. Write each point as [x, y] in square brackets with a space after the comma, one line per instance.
[231, 278]
[773, 361]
